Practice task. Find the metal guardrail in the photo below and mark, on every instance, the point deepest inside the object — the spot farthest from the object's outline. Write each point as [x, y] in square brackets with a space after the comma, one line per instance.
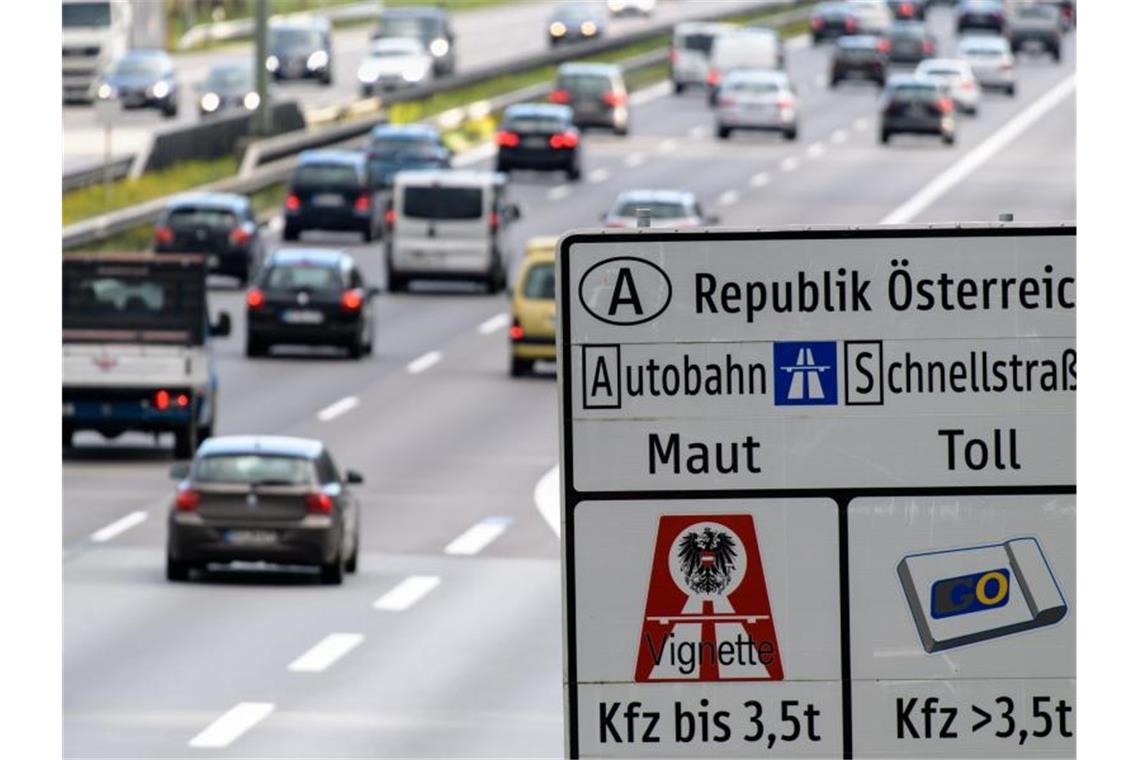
[93, 175]
[225, 31]
[277, 156]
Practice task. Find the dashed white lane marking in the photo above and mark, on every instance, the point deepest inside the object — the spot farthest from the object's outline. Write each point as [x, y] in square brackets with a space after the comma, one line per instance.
[476, 538]
[558, 192]
[698, 132]
[406, 593]
[651, 93]
[728, 197]
[230, 726]
[861, 124]
[429, 359]
[759, 180]
[327, 651]
[122, 525]
[598, 175]
[667, 146]
[634, 159]
[989, 147]
[816, 150]
[276, 224]
[475, 155]
[839, 136]
[495, 323]
[337, 408]
[548, 500]
[790, 164]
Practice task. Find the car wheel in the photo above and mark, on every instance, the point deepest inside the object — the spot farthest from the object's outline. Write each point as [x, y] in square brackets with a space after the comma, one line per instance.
[290, 232]
[884, 136]
[574, 173]
[170, 112]
[350, 565]
[723, 132]
[833, 83]
[521, 367]
[948, 140]
[366, 234]
[678, 88]
[177, 571]
[622, 131]
[332, 574]
[356, 347]
[186, 441]
[791, 134]
[68, 435]
[1056, 55]
[1011, 90]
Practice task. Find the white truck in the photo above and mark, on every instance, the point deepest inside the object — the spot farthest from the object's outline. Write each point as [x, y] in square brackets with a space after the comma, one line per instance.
[136, 347]
[97, 32]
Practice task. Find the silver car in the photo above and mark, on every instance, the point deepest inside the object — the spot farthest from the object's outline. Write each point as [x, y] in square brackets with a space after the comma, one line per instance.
[757, 99]
[667, 208]
[955, 79]
[991, 60]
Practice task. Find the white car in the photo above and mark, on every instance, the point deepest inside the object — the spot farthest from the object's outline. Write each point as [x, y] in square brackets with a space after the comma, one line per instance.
[955, 79]
[871, 16]
[667, 208]
[757, 99]
[392, 63]
[690, 52]
[991, 60]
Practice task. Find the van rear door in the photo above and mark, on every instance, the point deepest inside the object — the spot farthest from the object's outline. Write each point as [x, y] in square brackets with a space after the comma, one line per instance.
[443, 228]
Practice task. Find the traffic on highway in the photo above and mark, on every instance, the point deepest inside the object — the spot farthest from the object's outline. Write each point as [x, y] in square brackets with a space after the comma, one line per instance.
[311, 432]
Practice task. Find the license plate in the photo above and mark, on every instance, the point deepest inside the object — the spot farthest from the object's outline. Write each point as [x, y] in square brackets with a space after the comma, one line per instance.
[534, 142]
[327, 200]
[213, 261]
[302, 317]
[251, 537]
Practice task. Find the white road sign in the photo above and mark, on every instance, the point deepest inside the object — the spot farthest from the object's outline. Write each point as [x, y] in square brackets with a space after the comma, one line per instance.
[819, 491]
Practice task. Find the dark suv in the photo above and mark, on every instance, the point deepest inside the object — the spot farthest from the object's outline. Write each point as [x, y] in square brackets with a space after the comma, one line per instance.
[402, 147]
[301, 49]
[332, 190]
[220, 225]
[431, 26]
[830, 20]
[539, 136]
[859, 57]
[915, 106]
[263, 499]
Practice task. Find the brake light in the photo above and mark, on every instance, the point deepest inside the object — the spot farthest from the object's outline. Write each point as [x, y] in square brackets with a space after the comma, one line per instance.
[564, 140]
[816, 23]
[506, 139]
[1007, 66]
[559, 96]
[614, 99]
[390, 217]
[182, 400]
[927, 46]
[186, 500]
[784, 103]
[713, 77]
[292, 202]
[240, 236]
[516, 331]
[672, 54]
[254, 298]
[352, 300]
[906, 9]
[318, 502]
[968, 85]
[884, 46]
[163, 235]
[363, 202]
[945, 105]
[494, 220]
[162, 400]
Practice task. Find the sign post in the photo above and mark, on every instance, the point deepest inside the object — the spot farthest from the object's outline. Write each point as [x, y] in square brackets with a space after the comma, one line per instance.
[819, 492]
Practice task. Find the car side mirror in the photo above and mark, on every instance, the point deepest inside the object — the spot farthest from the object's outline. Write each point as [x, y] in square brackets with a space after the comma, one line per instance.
[221, 328]
[512, 212]
[180, 471]
[353, 477]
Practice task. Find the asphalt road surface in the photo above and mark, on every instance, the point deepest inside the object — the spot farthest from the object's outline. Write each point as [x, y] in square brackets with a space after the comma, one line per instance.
[439, 646]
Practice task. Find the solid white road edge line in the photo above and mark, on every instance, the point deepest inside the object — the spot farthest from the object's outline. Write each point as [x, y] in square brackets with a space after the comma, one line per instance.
[327, 651]
[967, 164]
[759, 180]
[548, 500]
[406, 593]
[495, 323]
[337, 408]
[122, 525]
[476, 538]
[226, 729]
[424, 362]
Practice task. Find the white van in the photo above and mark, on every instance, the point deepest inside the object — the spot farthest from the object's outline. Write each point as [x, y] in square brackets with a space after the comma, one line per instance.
[689, 54]
[447, 224]
[744, 48]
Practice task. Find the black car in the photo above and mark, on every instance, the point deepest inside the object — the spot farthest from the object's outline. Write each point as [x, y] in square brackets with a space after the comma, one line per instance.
[859, 57]
[431, 26]
[909, 42]
[908, 10]
[575, 22]
[220, 225]
[263, 499]
[393, 148]
[332, 190]
[228, 87]
[831, 20]
[301, 49]
[309, 296]
[915, 106]
[980, 16]
[143, 79]
[539, 136]
[1035, 26]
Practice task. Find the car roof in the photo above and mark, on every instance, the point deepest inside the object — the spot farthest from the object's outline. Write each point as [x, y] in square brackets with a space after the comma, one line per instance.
[450, 178]
[331, 258]
[348, 157]
[655, 196]
[435, 13]
[759, 75]
[579, 67]
[697, 27]
[539, 109]
[541, 247]
[231, 201]
[406, 131]
[279, 445]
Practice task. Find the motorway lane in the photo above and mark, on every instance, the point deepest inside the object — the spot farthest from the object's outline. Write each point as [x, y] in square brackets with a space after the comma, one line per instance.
[473, 668]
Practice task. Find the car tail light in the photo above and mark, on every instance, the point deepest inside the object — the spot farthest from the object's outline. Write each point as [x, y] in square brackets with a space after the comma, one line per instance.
[672, 54]
[927, 46]
[163, 235]
[183, 400]
[254, 298]
[906, 9]
[968, 85]
[516, 331]
[240, 236]
[390, 218]
[884, 46]
[564, 140]
[559, 96]
[318, 502]
[784, 103]
[816, 23]
[162, 400]
[850, 25]
[186, 500]
[614, 99]
[945, 105]
[494, 220]
[506, 139]
[352, 300]
[292, 202]
[1007, 66]
[713, 77]
[363, 202]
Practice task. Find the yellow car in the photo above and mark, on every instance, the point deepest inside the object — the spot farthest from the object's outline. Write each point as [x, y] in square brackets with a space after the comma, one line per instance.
[532, 307]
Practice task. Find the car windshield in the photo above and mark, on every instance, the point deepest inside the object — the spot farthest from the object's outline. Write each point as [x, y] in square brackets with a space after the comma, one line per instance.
[535, 123]
[700, 42]
[540, 282]
[286, 37]
[657, 209]
[135, 65]
[301, 277]
[197, 216]
[86, 15]
[254, 469]
[443, 202]
[326, 175]
[584, 84]
[409, 26]
[230, 79]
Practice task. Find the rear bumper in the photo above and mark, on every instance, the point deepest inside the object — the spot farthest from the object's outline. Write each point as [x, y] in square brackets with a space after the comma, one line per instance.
[328, 333]
[192, 539]
[114, 411]
[873, 71]
[534, 348]
[746, 119]
[536, 159]
[224, 260]
[347, 220]
[932, 126]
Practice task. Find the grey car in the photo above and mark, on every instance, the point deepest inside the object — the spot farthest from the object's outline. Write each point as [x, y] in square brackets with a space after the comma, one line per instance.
[263, 499]
[143, 79]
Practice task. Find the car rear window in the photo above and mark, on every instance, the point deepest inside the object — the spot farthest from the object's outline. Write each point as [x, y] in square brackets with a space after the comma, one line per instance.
[535, 123]
[443, 202]
[256, 469]
[914, 92]
[753, 87]
[304, 278]
[584, 84]
[657, 209]
[189, 216]
[388, 147]
[699, 42]
[539, 282]
[326, 175]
